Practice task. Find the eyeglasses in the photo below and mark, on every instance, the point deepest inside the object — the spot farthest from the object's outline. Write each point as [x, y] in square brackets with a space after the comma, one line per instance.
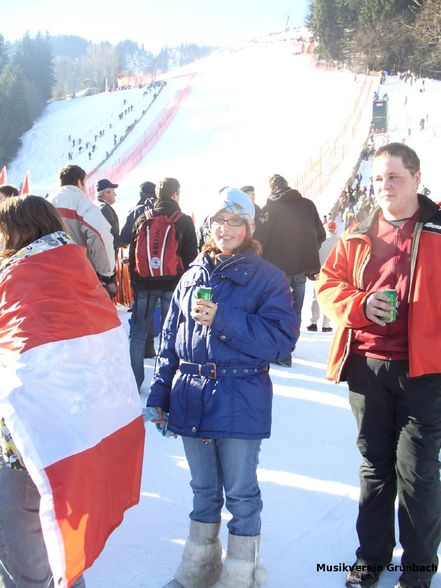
[235, 221]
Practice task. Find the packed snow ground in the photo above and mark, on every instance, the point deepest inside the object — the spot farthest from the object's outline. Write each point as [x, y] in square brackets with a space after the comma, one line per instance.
[253, 112]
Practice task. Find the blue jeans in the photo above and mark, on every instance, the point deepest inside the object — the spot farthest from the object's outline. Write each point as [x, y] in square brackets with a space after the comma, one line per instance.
[297, 284]
[23, 555]
[231, 465]
[142, 317]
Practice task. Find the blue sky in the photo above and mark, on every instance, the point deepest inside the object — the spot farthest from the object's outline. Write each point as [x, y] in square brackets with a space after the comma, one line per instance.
[158, 23]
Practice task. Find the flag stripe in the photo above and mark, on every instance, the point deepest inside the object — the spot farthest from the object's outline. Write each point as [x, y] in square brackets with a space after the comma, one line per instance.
[87, 515]
[88, 376]
[25, 189]
[51, 308]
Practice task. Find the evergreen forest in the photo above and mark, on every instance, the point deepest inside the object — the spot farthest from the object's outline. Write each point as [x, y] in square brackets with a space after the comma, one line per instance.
[364, 35]
[36, 70]
[390, 35]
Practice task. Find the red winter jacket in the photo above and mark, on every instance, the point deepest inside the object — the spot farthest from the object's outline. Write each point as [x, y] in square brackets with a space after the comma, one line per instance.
[341, 292]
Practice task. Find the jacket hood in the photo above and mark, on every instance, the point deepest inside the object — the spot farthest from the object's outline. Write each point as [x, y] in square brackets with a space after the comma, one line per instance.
[166, 207]
[287, 194]
[68, 189]
[148, 199]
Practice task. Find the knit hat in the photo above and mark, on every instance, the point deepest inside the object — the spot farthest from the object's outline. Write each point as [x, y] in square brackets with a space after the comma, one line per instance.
[331, 226]
[234, 201]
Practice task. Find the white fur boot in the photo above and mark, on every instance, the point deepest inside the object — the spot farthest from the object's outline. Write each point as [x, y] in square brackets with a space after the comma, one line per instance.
[201, 560]
[242, 567]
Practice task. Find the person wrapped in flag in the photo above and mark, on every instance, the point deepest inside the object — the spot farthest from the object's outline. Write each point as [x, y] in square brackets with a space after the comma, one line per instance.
[71, 429]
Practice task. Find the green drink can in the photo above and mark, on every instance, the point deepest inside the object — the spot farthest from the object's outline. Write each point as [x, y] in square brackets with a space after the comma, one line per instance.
[392, 299]
[203, 292]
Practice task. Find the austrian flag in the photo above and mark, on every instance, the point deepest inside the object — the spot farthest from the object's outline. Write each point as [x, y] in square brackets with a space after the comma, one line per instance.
[69, 399]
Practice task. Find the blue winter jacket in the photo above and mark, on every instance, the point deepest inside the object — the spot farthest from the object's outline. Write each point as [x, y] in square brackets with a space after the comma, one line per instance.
[254, 325]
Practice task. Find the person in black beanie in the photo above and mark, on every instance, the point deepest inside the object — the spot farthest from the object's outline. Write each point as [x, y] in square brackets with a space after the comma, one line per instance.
[147, 199]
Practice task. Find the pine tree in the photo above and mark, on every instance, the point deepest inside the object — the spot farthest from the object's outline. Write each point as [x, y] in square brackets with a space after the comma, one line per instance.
[34, 57]
[4, 57]
[427, 31]
[375, 34]
[14, 118]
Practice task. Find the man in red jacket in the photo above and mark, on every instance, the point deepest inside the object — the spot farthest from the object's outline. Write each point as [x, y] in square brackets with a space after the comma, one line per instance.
[393, 369]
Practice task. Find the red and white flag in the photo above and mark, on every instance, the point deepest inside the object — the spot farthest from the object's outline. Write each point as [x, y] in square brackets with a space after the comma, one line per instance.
[3, 175]
[26, 187]
[69, 399]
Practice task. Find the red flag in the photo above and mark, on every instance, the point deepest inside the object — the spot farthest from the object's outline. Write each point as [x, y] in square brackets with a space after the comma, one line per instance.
[25, 189]
[3, 176]
[82, 442]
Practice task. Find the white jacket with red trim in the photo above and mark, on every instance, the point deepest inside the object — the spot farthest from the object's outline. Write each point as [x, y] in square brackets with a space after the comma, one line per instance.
[87, 226]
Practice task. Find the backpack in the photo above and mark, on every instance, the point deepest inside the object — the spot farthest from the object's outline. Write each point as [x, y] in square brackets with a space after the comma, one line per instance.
[156, 247]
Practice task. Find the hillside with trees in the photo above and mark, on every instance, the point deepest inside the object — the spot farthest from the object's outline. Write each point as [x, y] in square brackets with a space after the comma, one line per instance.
[26, 80]
[81, 65]
[392, 35]
[35, 70]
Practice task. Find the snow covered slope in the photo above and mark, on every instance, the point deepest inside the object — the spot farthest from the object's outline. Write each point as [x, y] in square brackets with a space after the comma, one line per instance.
[253, 111]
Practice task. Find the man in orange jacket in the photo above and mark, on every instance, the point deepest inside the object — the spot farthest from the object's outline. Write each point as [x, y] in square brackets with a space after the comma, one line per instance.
[390, 357]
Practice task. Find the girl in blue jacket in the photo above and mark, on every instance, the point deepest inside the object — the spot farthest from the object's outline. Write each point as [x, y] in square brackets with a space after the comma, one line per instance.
[211, 385]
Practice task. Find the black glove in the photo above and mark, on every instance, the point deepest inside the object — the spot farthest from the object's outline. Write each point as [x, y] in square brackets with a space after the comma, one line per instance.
[109, 284]
[313, 276]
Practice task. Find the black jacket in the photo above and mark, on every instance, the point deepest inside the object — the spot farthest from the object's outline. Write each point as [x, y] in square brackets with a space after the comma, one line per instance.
[291, 232]
[127, 230]
[145, 203]
[112, 218]
[188, 250]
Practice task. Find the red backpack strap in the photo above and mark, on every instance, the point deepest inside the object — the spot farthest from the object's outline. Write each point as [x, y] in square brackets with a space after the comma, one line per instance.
[176, 216]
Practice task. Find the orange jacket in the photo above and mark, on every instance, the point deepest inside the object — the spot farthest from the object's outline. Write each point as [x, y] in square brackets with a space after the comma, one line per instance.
[341, 292]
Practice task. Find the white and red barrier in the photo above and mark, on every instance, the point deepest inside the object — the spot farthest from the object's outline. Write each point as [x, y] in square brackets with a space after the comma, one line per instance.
[316, 176]
[119, 168]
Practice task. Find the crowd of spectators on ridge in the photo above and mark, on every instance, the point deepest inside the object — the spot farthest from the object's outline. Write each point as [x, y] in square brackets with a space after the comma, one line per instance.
[93, 146]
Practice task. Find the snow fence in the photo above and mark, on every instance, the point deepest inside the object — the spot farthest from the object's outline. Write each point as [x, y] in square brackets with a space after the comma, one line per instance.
[331, 166]
[118, 167]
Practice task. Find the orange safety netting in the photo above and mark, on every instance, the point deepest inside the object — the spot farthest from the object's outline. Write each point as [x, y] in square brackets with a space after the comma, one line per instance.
[315, 175]
[118, 168]
[124, 293]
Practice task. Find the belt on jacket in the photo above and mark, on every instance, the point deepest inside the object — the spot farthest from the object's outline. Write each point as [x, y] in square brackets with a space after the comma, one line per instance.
[212, 371]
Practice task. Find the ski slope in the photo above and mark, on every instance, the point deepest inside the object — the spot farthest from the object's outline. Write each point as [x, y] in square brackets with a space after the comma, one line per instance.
[254, 110]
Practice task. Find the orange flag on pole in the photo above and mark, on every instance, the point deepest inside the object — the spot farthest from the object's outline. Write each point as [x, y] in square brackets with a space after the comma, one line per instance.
[25, 189]
[3, 176]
